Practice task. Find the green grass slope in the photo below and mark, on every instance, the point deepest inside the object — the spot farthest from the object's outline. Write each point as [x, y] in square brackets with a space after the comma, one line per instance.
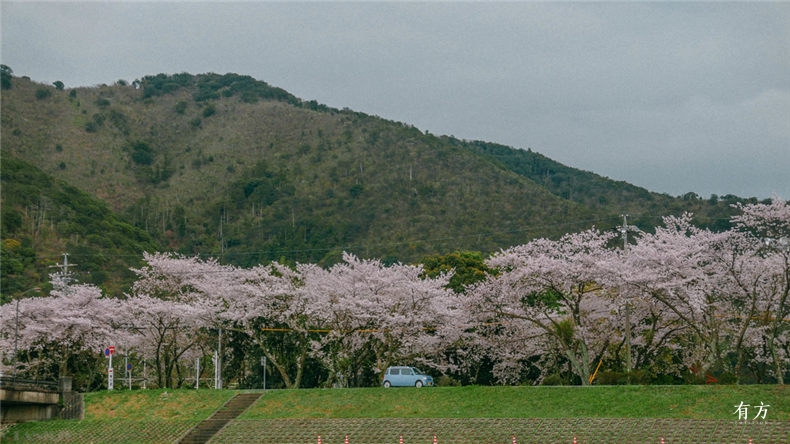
[603, 414]
[690, 402]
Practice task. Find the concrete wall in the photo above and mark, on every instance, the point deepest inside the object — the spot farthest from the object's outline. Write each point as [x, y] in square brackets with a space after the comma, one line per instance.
[27, 396]
[20, 404]
[12, 413]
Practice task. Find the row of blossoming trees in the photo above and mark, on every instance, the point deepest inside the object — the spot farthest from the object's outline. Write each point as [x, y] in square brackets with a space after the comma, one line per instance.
[679, 302]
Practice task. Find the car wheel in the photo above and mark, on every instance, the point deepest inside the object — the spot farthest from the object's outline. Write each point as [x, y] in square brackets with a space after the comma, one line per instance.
[387, 384]
[418, 384]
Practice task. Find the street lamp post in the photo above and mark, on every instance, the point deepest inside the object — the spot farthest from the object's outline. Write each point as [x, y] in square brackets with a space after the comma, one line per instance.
[16, 324]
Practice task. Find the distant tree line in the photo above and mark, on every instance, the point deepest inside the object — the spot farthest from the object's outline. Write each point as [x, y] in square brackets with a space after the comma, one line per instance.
[213, 86]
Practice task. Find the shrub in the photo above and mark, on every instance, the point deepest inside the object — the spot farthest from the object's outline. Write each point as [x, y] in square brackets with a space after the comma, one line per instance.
[446, 381]
[355, 190]
[43, 93]
[554, 379]
[142, 154]
[180, 107]
[6, 74]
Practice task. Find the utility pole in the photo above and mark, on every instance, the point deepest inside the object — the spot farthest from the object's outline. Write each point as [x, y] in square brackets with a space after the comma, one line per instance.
[218, 363]
[221, 238]
[624, 231]
[64, 269]
[127, 366]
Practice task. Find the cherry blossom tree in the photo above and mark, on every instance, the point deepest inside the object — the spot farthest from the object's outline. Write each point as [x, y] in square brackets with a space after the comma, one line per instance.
[50, 330]
[173, 302]
[261, 303]
[389, 312]
[165, 331]
[548, 294]
[762, 278]
[725, 290]
[672, 267]
[268, 306]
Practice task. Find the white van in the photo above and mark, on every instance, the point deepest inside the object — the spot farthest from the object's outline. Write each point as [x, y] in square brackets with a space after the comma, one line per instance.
[406, 377]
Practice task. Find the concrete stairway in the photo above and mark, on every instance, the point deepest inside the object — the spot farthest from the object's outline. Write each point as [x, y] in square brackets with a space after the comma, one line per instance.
[203, 432]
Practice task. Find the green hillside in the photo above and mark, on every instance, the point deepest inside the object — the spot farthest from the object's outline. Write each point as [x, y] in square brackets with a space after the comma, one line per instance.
[231, 167]
[605, 196]
[43, 217]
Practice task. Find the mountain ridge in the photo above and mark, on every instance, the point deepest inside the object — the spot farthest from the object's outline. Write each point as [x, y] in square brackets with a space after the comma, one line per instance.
[228, 166]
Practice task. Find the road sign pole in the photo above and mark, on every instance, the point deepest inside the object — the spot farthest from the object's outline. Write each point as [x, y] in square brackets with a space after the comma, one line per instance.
[219, 361]
[109, 374]
[108, 352]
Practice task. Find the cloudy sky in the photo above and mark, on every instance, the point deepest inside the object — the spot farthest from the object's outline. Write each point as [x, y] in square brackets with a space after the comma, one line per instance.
[674, 97]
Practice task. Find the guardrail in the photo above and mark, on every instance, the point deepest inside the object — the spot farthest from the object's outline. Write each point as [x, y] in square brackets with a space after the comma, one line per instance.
[30, 384]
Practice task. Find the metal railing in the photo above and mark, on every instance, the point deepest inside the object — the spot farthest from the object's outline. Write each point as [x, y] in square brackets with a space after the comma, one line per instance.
[13, 382]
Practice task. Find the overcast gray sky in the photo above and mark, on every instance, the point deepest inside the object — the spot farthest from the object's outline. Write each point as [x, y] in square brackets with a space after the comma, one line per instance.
[674, 97]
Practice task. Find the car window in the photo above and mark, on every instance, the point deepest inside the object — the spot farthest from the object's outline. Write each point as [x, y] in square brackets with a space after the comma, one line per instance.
[394, 371]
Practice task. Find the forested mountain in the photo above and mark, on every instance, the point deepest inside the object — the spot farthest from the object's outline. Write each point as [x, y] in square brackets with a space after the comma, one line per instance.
[231, 167]
[42, 217]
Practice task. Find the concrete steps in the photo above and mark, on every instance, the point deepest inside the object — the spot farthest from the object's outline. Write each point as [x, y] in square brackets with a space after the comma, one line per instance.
[203, 432]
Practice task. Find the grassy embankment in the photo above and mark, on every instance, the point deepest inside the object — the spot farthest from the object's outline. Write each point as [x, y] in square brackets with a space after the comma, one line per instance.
[163, 416]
